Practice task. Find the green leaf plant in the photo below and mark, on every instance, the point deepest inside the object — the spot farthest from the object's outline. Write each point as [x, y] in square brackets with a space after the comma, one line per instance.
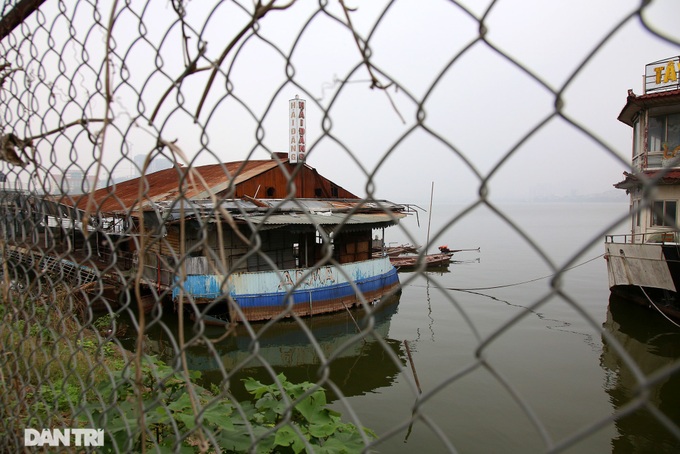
[282, 417]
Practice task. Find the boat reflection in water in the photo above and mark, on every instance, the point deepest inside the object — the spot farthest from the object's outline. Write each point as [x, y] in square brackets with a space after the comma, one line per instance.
[357, 366]
[653, 343]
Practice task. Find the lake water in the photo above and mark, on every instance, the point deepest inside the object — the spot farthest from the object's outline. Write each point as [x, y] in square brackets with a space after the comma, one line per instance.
[506, 362]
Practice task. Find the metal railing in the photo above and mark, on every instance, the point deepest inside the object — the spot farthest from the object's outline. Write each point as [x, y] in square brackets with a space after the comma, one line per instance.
[661, 237]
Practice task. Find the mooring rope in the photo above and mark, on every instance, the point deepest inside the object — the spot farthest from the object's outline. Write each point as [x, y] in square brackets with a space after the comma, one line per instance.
[655, 307]
[517, 283]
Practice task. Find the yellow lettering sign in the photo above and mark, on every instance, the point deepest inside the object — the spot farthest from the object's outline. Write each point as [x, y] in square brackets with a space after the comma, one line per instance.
[658, 71]
[670, 73]
[664, 75]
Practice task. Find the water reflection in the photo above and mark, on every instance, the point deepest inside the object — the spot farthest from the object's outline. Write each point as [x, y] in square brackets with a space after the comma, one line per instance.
[358, 366]
[653, 343]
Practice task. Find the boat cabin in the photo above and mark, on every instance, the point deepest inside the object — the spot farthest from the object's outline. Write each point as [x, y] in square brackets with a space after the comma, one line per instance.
[654, 117]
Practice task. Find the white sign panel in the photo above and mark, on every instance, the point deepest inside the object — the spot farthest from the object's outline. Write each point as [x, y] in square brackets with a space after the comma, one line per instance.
[297, 124]
[662, 75]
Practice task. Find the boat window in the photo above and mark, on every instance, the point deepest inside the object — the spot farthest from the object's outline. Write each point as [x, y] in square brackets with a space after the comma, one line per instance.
[664, 213]
[663, 132]
[320, 239]
[636, 213]
[673, 133]
[655, 132]
[296, 254]
[636, 138]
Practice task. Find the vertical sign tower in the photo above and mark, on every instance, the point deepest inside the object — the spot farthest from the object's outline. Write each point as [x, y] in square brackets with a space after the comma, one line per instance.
[297, 126]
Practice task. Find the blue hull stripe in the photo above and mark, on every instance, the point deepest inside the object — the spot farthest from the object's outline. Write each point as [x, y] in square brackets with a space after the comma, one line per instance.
[330, 293]
[207, 286]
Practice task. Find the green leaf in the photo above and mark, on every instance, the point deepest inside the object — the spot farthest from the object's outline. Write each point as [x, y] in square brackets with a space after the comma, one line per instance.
[157, 416]
[238, 440]
[187, 419]
[234, 441]
[285, 436]
[194, 375]
[299, 445]
[271, 407]
[312, 408]
[183, 412]
[220, 416]
[255, 388]
[123, 442]
[120, 424]
[369, 432]
[342, 443]
[122, 419]
[323, 430]
[181, 404]
[295, 390]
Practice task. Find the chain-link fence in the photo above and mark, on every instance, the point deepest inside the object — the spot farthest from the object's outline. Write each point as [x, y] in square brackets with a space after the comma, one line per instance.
[131, 314]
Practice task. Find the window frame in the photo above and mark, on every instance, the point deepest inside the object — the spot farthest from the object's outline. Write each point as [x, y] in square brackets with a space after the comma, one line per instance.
[666, 218]
[665, 126]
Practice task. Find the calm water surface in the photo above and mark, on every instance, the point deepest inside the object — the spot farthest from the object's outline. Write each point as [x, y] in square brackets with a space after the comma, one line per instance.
[494, 346]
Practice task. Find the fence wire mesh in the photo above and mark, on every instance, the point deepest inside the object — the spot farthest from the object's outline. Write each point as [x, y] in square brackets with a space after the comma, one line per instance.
[99, 326]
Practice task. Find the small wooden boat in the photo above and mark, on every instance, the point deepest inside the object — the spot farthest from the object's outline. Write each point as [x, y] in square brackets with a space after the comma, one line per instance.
[393, 251]
[414, 261]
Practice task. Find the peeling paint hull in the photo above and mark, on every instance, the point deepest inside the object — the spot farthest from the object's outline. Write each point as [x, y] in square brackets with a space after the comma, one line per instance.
[302, 291]
[645, 274]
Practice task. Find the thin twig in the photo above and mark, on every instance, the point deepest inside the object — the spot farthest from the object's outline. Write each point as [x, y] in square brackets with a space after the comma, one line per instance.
[190, 69]
[8, 73]
[259, 13]
[375, 82]
[83, 122]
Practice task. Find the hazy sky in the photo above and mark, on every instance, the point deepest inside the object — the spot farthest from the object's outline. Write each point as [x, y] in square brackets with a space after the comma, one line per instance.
[476, 103]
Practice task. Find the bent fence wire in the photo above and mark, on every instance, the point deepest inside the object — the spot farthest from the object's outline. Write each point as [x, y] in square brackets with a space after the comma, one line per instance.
[94, 93]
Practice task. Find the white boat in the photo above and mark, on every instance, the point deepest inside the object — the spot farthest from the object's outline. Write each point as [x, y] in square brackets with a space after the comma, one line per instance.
[644, 265]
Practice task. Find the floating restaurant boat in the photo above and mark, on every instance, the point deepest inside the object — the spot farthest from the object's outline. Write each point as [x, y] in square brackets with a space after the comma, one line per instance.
[644, 265]
[262, 256]
[264, 238]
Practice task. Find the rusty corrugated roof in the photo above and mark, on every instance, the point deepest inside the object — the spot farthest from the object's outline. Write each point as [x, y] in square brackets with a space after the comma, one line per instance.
[164, 185]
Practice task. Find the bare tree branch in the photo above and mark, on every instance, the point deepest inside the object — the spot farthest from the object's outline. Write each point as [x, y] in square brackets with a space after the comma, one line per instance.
[260, 12]
[375, 82]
